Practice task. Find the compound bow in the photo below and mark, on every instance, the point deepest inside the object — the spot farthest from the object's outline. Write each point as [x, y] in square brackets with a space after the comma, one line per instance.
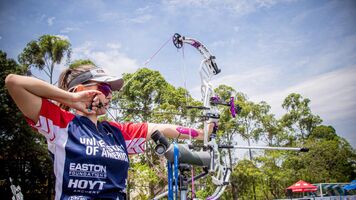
[209, 155]
[208, 68]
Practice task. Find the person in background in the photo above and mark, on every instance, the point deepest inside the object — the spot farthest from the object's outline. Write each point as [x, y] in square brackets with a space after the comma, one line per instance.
[90, 157]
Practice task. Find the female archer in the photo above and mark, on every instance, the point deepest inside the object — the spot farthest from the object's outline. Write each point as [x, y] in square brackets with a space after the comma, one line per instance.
[90, 157]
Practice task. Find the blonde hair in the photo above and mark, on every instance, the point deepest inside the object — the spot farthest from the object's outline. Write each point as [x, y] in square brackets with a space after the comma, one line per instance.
[68, 75]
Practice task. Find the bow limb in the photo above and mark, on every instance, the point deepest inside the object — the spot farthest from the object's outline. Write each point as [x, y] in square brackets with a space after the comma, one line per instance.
[209, 59]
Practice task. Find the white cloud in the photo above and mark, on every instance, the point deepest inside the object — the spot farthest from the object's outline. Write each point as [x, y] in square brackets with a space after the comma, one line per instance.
[251, 81]
[43, 17]
[243, 7]
[142, 10]
[63, 37]
[50, 21]
[0, 37]
[332, 94]
[68, 29]
[236, 28]
[184, 2]
[113, 45]
[83, 50]
[40, 18]
[109, 16]
[224, 43]
[240, 7]
[112, 59]
[141, 19]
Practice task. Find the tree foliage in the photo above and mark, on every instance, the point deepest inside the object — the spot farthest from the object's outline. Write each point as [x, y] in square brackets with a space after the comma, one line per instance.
[330, 159]
[299, 119]
[24, 155]
[80, 62]
[45, 53]
[148, 97]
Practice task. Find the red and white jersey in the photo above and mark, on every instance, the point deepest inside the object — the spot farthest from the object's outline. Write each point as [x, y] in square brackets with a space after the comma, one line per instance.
[89, 161]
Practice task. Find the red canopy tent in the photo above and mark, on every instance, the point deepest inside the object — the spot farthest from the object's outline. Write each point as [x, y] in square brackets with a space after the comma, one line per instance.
[302, 186]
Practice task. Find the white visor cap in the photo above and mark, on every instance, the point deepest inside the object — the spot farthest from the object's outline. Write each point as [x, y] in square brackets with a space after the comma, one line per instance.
[98, 75]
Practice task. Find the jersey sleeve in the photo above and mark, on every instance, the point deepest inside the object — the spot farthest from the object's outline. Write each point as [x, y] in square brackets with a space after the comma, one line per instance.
[134, 135]
[52, 120]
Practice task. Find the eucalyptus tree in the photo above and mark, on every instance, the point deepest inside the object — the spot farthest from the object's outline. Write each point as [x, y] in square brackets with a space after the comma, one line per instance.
[293, 126]
[330, 158]
[270, 128]
[299, 120]
[244, 175]
[140, 95]
[148, 97]
[45, 53]
[135, 103]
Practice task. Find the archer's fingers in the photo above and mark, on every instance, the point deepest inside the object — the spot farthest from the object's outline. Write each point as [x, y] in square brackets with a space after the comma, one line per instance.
[92, 93]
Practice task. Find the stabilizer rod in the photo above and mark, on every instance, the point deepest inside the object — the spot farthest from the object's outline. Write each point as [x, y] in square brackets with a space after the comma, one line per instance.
[301, 149]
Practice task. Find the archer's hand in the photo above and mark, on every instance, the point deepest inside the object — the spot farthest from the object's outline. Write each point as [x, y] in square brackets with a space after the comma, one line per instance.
[82, 100]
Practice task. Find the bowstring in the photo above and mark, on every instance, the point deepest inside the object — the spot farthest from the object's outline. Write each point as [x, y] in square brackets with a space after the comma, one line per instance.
[147, 61]
[187, 124]
[186, 90]
[142, 65]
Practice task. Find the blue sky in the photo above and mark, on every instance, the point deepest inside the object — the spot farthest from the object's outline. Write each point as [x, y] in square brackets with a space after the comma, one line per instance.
[265, 48]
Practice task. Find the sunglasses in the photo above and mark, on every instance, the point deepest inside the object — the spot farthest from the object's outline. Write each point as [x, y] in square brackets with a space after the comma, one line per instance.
[102, 87]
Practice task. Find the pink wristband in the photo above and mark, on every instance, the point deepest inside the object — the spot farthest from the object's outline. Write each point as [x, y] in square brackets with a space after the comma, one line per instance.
[186, 131]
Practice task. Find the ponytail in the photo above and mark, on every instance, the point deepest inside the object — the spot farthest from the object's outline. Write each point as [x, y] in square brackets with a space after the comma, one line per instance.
[69, 74]
[63, 79]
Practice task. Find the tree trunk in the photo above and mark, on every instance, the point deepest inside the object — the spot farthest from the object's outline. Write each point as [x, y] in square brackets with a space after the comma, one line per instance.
[51, 73]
